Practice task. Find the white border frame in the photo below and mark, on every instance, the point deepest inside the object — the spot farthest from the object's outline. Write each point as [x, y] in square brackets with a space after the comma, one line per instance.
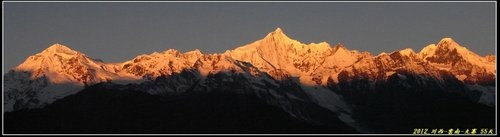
[3, 67]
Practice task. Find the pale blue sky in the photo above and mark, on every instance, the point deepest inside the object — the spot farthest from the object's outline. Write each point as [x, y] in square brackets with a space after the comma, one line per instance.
[115, 32]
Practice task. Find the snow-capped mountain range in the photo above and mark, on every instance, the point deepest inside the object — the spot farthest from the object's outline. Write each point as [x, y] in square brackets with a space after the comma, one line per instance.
[276, 68]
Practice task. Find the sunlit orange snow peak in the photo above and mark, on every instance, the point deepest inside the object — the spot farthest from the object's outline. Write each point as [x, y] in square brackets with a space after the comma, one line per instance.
[313, 63]
[274, 57]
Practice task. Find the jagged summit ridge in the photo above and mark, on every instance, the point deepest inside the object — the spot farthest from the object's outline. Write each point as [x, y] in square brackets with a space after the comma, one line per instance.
[275, 51]
[276, 55]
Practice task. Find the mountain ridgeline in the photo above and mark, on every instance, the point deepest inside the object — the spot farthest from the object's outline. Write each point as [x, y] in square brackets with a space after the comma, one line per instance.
[273, 85]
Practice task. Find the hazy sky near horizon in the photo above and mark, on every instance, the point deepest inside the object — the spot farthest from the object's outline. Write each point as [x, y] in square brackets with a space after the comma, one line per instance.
[116, 32]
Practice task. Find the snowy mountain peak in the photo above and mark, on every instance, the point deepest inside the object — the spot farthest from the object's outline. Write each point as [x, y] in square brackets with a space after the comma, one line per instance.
[466, 65]
[194, 52]
[59, 48]
[278, 36]
[278, 30]
[445, 47]
[448, 43]
[271, 44]
[449, 46]
[53, 57]
[407, 52]
[428, 50]
[446, 40]
[447, 50]
[276, 54]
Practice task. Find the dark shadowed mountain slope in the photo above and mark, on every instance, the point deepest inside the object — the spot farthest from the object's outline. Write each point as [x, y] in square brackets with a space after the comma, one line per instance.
[100, 109]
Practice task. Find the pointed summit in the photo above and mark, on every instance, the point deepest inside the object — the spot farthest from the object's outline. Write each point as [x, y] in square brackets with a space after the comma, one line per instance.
[339, 46]
[53, 57]
[447, 51]
[278, 35]
[448, 43]
[194, 52]
[278, 30]
[445, 45]
[59, 48]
